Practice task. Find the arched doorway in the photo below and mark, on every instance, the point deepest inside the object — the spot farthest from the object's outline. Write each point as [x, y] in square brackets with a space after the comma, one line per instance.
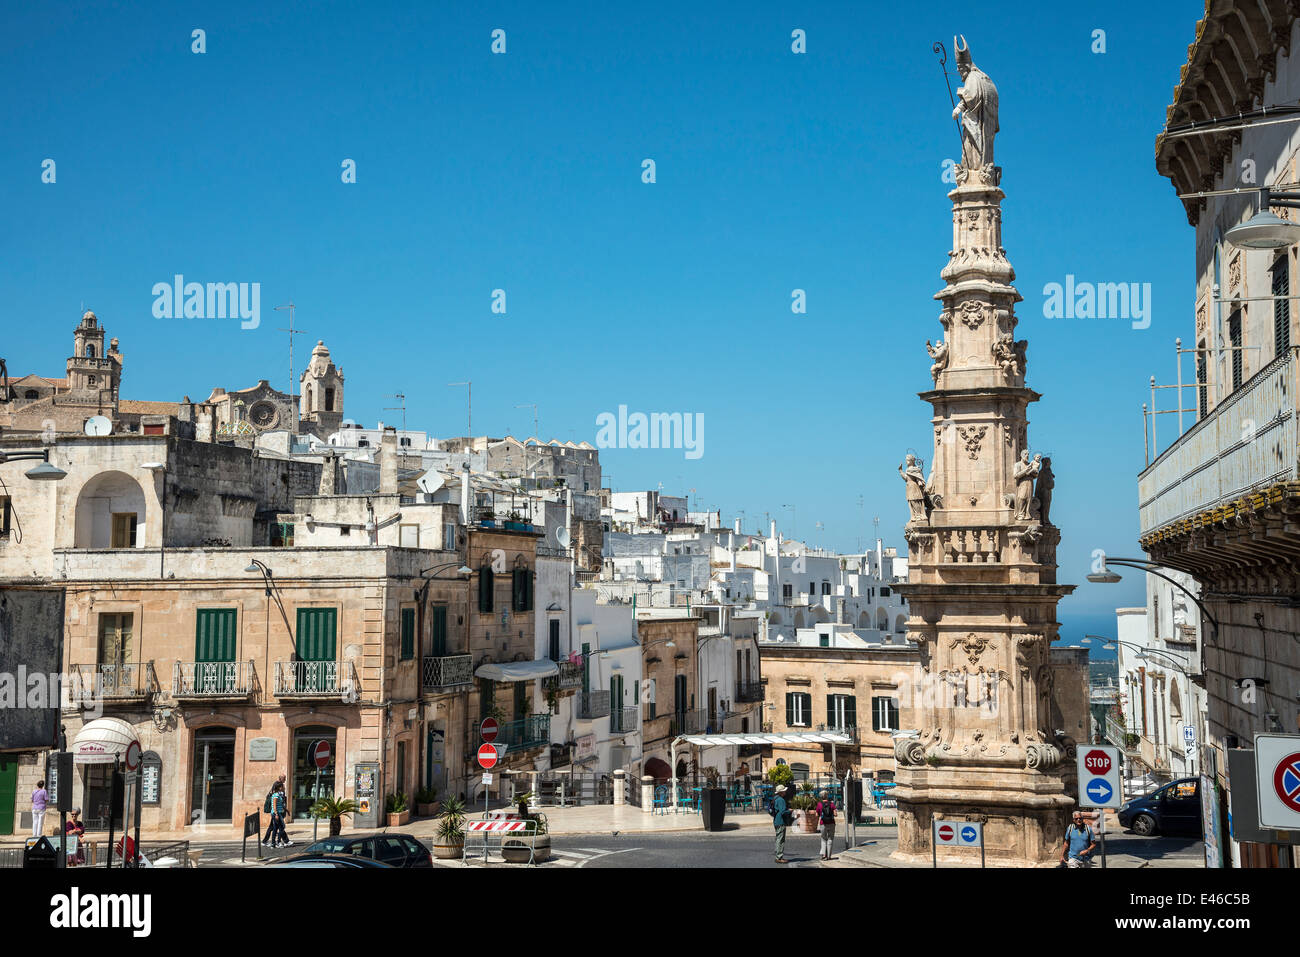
[110, 512]
[658, 769]
[212, 784]
[302, 785]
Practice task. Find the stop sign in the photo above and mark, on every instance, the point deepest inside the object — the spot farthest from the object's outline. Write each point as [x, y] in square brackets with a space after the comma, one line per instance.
[487, 756]
[1097, 762]
[488, 729]
[320, 753]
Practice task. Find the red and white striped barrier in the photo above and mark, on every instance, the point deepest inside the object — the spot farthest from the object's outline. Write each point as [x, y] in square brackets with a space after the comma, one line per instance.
[497, 826]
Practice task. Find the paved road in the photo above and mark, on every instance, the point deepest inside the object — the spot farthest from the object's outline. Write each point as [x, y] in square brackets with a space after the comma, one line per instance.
[750, 848]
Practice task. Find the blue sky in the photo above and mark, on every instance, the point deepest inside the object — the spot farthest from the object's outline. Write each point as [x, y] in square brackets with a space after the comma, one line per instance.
[522, 171]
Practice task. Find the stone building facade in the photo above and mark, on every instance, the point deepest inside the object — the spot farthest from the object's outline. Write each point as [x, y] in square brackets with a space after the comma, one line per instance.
[669, 705]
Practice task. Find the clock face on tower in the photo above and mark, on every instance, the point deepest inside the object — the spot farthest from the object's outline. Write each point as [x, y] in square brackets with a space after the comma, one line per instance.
[263, 415]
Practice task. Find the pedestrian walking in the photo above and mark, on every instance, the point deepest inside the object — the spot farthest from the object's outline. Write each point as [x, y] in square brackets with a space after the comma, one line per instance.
[826, 824]
[279, 807]
[781, 819]
[76, 829]
[268, 810]
[1079, 843]
[40, 800]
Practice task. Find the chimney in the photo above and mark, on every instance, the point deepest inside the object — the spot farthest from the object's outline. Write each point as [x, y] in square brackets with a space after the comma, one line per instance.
[773, 528]
[328, 475]
[388, 462]
[737, 526]
[464, 494]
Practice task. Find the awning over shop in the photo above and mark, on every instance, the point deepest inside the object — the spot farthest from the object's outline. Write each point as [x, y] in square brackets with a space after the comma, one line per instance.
[782, 737]
[517, 670]
[102, 741]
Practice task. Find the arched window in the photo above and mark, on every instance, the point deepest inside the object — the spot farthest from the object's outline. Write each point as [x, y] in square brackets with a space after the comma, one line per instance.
[307, 397]
[90, 350]
[329, 400]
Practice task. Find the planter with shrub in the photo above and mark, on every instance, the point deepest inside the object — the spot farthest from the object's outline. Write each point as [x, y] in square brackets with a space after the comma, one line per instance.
[399, 812]
[516, 851]
[449, 839]
[334, 809]
[426, 802]
[713, 801]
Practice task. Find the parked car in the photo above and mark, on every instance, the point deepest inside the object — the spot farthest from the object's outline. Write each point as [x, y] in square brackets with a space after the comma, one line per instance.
[395, 850]
[345, 861]
[1172, 809]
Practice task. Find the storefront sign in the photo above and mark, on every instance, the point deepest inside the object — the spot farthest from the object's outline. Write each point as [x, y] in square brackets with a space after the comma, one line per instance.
[261, 749]
[585, 747]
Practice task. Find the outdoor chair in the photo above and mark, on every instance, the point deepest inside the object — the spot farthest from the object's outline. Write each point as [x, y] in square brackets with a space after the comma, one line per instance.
[662, 803]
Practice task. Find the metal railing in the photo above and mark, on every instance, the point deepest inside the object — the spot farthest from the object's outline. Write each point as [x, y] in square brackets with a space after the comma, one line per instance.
[533, 731]
[624, 720]
[318, 679]
[1247, 442]
[448, 671]
[570, 677]
[749, 691]
[850, 730]
[121, 680]
[1122, 736]
[213, 679]
[592, 704]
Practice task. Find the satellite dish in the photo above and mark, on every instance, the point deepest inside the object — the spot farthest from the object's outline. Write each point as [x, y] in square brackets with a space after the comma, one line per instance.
[98, 425]
[562, 536]
[430, 481]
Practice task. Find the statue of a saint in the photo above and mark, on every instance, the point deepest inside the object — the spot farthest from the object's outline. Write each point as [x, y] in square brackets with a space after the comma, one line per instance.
[977, 106]
[1004, 353]
[1024, 474]
[912, 475]
[1043, 490]
[939, 353]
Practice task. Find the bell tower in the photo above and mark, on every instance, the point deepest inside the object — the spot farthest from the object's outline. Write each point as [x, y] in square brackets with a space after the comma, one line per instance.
[90, 369]
[320, 400]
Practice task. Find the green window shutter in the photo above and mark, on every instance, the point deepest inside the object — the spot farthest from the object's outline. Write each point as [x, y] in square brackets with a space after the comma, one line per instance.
[439, 631]
[830, 710]
[214, 634]
[789, 709]
[485, 586]
[317, 634]
[807, 709]
[586, 667]
[851, 711]
[408, 634]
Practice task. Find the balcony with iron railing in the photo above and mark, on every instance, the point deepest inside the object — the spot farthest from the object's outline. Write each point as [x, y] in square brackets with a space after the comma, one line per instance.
[211, 680]
[592, 704]
[1247, 443]
[123, 681]
[1122, 736]
[749, 691]
[448, 671]
[624, 720]
[521, 734]
[689, 722]
[569, 677]
[846, 729]
[316, 679]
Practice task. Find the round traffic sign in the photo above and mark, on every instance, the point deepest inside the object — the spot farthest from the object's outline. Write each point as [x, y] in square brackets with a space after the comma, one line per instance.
[320, 753]
[1286, 781]
[1097, 762]
[489, 729]
[133, 756]
[1098, 790]
[968, 834]
[487, 756]
[945, 832]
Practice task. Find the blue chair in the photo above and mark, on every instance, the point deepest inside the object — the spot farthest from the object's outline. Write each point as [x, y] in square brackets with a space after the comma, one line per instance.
[662, 803]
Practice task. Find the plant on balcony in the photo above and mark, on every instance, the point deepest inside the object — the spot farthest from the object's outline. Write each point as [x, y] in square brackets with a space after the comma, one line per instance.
[497, 713]
[333, 808]
[426, 802]
[450, 843]
[553, 700]
[399, 812]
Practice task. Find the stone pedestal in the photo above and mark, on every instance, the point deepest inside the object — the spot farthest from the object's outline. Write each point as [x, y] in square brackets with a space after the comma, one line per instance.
[982, 589]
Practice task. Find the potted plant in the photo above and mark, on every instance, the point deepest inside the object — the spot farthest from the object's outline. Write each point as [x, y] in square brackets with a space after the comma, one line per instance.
[487, 518]
[805, 817]
[523, 801]
[515, 522]
[398, 810]
[426, 802]
[333, 808]
[450, 842]
[516, 851]
[713, 801]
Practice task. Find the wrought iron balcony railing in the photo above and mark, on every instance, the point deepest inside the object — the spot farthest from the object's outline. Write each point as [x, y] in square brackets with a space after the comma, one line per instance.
[592, 704]
[688, 722]
[316, 679]
[749, 691]
[624, 720]
[119, 681]
[213, 679]
[521, 734]
[847, 729]
[570, 677]
[448, 671]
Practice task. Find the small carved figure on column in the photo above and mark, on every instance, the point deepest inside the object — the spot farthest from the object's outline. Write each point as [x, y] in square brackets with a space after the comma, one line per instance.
[915, 479]
[1043, 490]
[939, 353]
[1004, 353]
[1025, 473]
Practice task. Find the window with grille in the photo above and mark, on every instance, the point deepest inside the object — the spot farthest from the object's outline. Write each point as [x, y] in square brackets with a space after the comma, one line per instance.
[1234, 340]
[1202, 392]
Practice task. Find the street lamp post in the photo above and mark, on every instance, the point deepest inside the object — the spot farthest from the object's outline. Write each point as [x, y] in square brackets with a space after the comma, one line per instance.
[45, 472]
[1107, 577]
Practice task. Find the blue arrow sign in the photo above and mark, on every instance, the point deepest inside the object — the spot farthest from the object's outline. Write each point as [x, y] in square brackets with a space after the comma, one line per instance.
[968, 834]
[1098, 790]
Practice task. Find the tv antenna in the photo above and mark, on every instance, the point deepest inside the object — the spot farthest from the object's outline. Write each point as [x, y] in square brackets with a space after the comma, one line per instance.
[393, 408]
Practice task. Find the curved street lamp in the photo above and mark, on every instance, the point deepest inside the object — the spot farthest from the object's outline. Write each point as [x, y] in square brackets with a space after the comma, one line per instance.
[1107, 577]
[45, 472]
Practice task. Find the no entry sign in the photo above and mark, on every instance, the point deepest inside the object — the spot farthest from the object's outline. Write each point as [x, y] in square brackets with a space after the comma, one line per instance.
[320, 753]
[1099, 784]
[1277, 764]
[489, 729]
[944, 833]
[487, 756]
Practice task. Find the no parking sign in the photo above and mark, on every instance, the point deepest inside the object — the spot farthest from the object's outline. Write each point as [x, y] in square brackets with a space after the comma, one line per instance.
[1277, 769]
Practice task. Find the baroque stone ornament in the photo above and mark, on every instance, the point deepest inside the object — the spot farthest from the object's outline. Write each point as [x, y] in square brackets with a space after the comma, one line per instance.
[972, 313]
[973, 645]
[939, 353]
[973, 437]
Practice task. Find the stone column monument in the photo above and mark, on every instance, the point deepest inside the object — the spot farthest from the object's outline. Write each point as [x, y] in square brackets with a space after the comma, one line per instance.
[981, 738]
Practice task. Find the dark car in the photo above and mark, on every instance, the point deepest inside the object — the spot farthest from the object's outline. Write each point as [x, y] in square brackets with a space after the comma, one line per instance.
[395, 850]
[1172, 809]
[310, 859]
